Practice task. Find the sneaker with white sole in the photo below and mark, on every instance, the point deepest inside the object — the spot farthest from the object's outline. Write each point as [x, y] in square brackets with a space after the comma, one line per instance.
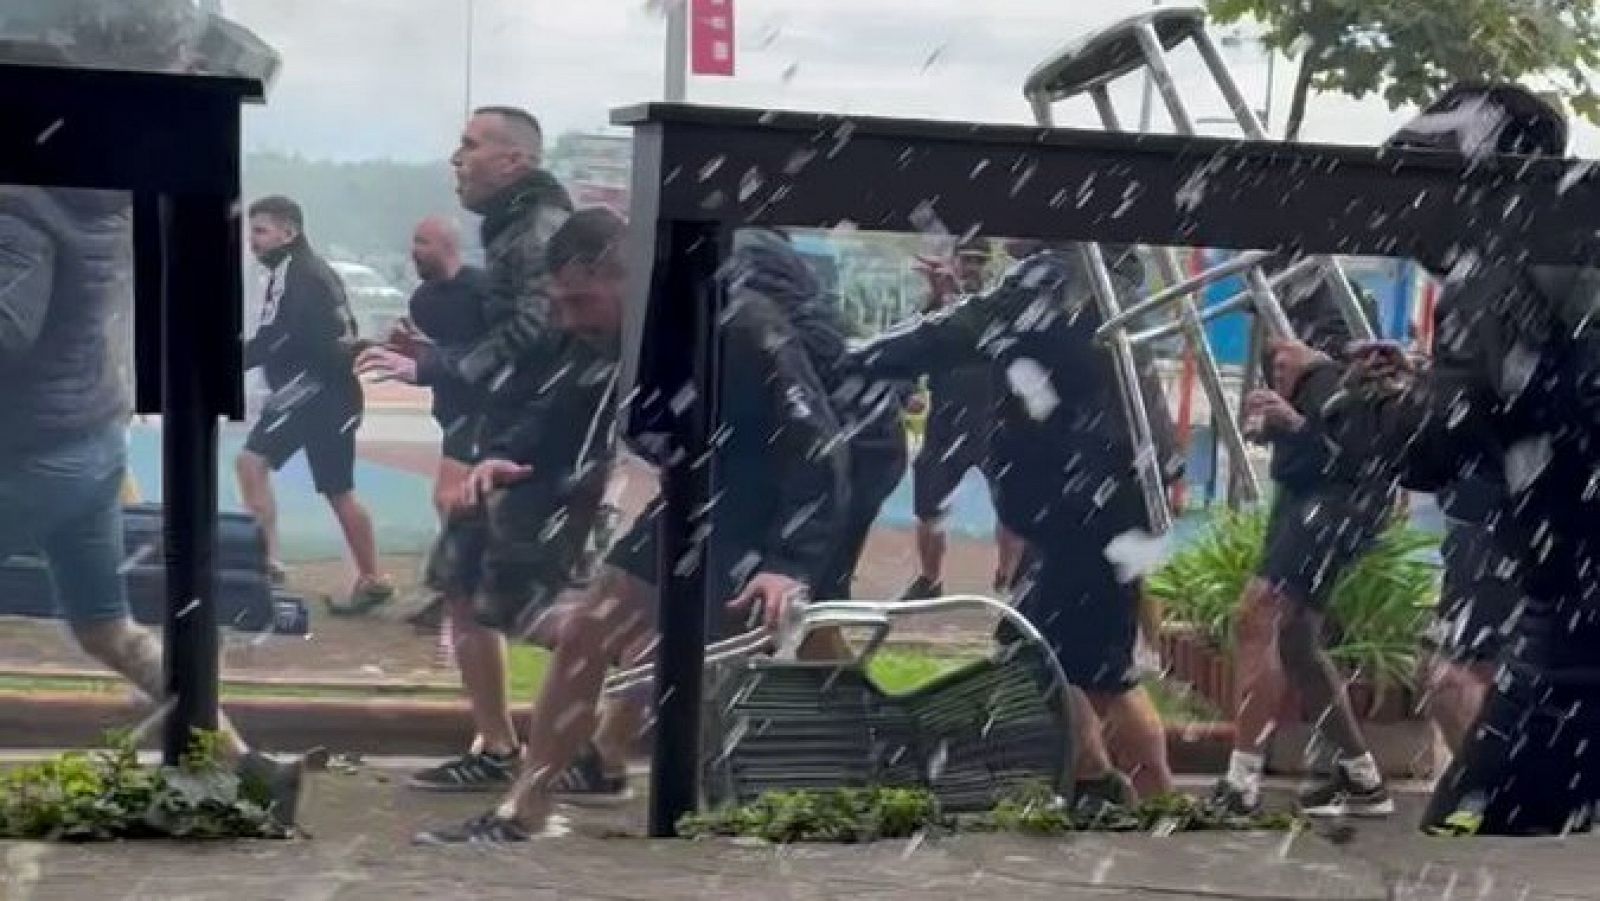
[585, 782]
[1339, 796]
[471, 772]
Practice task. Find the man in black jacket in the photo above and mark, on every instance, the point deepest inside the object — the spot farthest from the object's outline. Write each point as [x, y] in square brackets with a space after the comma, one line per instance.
[304, 347]
[1065, 483]
[447, 308]
[960, 420]
[474, 566]
[782, 490]
[1514, 388]
[1323, 518]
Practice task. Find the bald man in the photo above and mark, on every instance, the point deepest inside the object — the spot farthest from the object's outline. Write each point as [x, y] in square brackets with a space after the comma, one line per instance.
[447, 308]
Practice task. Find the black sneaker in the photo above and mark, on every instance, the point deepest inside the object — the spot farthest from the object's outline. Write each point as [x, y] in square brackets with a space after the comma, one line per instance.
[484, 829]
[1228, 800]
[586, 783]
[1094, 801]
[1339, 796]
[471, 772]
[922, 589]
[277, 783]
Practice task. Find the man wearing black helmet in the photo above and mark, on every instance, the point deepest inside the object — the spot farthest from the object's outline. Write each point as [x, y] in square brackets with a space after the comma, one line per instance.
[1513, 389]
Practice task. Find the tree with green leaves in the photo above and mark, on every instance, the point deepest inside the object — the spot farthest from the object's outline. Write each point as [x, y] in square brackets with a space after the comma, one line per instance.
[1409, 51]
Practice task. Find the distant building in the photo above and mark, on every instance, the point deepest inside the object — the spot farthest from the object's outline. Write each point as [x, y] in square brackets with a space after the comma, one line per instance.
[596, 168]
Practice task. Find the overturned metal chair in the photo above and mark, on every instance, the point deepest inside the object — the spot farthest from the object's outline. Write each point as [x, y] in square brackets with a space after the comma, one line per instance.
[971, 736]
[1089, 66]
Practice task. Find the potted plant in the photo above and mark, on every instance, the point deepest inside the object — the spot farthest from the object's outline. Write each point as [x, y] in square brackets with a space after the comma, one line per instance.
[1377, 615]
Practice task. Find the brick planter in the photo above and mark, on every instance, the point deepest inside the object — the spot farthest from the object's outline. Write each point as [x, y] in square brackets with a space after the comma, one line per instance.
[1403, 741]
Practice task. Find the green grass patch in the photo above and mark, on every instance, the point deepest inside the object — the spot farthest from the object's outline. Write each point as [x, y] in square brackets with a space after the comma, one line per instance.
[895, 670]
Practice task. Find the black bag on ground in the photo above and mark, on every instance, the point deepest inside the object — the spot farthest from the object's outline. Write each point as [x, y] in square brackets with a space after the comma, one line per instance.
[244, 591]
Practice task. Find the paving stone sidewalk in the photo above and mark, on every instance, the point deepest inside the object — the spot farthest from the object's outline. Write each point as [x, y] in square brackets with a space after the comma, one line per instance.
[361, 849]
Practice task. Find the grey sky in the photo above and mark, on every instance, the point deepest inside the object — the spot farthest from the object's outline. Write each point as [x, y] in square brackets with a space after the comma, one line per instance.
[366, 78]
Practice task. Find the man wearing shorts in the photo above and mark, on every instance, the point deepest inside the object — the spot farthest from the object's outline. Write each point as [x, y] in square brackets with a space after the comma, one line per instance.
[1323, 519]
[961, 405]
[303, 346]
[66, 311]
[1065, 484]
[474, 567]
[782, 492]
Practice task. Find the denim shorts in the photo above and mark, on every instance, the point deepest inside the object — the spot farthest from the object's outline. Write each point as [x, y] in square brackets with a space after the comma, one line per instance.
[64, 503]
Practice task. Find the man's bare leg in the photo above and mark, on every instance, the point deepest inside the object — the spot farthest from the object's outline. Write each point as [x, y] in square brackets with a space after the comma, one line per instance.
[1009, 548]
[356, 523]
[1456, 693]
[1091, 761]
[1136, 739]
[255, 490]
[616, 617]
[1259, 688]
[931, 547]
[481, 658]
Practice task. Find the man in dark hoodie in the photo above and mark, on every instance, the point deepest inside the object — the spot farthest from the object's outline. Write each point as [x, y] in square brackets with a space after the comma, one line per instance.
[960, 420]
[304, 347]
[1065, 483]
[1323, 518]
[765, 263]
[781, 487]
[1513, 387]
[66, 309]
[477, 566]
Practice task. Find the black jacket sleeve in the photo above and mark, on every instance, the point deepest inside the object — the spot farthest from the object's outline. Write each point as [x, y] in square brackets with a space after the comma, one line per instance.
[1426, 428]
[805, 443]
[27, 273]
[310, 327]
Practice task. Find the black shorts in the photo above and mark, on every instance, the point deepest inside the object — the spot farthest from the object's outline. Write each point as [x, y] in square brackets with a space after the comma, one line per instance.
[728, 567]
[1479, 600]
[1070, 592]
[1314, 536]
[515, 556]
[948, 453]
[321, 423]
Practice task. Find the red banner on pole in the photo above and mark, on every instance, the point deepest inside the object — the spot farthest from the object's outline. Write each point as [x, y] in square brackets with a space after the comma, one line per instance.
[711, 37]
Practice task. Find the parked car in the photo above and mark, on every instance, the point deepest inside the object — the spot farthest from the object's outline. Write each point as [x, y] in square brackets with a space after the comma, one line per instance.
[376, 304]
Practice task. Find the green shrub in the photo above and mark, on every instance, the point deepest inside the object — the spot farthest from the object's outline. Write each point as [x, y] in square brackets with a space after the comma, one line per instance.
[1379, 606]
[107, 795]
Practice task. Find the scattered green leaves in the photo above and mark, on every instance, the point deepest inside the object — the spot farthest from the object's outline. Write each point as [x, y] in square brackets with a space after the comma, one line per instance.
[106, 794]
[845, 816]
[862, 815]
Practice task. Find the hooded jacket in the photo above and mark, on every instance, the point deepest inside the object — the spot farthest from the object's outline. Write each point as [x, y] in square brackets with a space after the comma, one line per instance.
[66, 304]
[765, 263]
[306, 325]
[1513, 391]
[1060, 422]
[500, 374]
[779, 456]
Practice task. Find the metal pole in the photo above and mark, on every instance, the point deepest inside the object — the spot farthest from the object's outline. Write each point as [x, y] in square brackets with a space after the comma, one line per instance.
[1146, 460]
[471, 35]
[685, 269]
[676, 76]
[195, 259]
[1145, 98]
[1191, 323]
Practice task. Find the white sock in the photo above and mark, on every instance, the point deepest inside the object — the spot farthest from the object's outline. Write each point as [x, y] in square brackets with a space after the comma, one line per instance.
[1363, 771]
[1244, 772]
